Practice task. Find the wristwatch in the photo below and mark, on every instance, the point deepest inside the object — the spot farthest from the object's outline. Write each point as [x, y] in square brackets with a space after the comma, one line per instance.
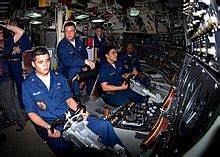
[48, 127]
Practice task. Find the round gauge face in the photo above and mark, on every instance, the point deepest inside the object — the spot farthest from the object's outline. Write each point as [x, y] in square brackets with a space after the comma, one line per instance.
[192, 111]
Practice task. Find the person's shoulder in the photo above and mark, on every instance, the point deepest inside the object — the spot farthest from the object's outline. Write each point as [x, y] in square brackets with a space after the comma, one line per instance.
[104, 66]
[9, 37]
[64, 40]
[118, 63]
[57, 75]
[122, 54]
[78, 40]
[30, 78]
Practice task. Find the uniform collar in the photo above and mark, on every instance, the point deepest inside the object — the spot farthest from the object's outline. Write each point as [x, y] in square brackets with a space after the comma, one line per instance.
[37, 80]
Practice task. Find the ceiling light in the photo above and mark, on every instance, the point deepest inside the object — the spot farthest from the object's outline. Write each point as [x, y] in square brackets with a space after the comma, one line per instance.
[199, 13]
[98, 20]
[80, 17]
[34, 15]
[207, 2]
[35, 22]
[134, 12]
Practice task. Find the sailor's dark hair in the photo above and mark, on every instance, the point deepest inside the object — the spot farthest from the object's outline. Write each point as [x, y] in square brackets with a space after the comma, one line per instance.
[39, 51]
[69, 23]
[98, 26]
[108, 48]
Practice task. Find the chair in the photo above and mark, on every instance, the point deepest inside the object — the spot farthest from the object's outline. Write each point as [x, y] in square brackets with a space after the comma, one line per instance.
[26, 63]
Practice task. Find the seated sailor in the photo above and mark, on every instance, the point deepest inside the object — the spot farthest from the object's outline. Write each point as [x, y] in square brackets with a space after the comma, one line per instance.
[47, 97]
[112, 76]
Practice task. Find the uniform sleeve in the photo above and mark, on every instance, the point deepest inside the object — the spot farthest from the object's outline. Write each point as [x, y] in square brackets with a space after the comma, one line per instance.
[28, 100]
[103, 75]
[66, 58]
[102, 48]
[25, 43]
[67, 93]
[121, 58]
[84, 51]
[9, 44]
[96, 42]
[138, 65]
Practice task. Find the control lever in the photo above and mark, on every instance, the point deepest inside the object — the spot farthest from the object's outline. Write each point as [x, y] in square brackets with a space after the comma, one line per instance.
[59, 121]
[127, 80]
[81, 107]
[56, 123]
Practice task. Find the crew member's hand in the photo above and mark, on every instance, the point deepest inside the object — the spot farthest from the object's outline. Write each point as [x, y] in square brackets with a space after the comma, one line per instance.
[90, 63]
[124, 86]
[134, 72]
[141, 76]
[98, 59]
[55, 134]
[126, 66]
[16, 50]
[4, 23]
[126, 75]
[85, 115]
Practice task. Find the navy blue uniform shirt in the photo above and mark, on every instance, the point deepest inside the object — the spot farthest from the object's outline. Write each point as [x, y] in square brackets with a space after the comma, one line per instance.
[48, 104]
[23, 43]
[110, 74]
[129, 62]
[71, 59]
[101, 45]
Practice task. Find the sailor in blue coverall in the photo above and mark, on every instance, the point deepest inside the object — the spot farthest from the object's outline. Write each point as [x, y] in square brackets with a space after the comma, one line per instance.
[14, 51]
[47, 96]
[132, 65]
[100, 43]
[72, 56]
[111, 71]
[10, 103]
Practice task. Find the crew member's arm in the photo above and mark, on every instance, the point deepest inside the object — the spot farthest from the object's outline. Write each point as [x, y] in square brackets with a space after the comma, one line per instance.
[74, 106]
[18, 32]
[30, 108]
[69, 60]
[40, 122]
[112, 88]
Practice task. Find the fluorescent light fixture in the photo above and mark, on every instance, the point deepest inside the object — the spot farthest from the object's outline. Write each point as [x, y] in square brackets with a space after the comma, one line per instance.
[80, 17]
[134, 12]
[199, 13]
[35, 22]
[34, 15]
[98, 20]
[195, 21]
[207, 2]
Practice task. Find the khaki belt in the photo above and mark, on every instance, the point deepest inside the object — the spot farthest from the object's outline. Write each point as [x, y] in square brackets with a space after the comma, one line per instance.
[13, 59]
[110, 92]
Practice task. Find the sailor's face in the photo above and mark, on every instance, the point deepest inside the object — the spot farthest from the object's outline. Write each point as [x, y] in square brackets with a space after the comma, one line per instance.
[70, 32]
[130, 48]
[112, 56]
[42, 64]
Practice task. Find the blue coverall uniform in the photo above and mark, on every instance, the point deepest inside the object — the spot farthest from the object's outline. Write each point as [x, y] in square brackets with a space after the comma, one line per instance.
[14, 61]
[101, 45]
[71, 59]
[51, 104]
[130, 62]
[114, 77]
[9, 104]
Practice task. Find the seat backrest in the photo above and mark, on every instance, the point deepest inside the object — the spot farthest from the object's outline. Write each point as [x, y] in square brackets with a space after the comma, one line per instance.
[26, 63]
